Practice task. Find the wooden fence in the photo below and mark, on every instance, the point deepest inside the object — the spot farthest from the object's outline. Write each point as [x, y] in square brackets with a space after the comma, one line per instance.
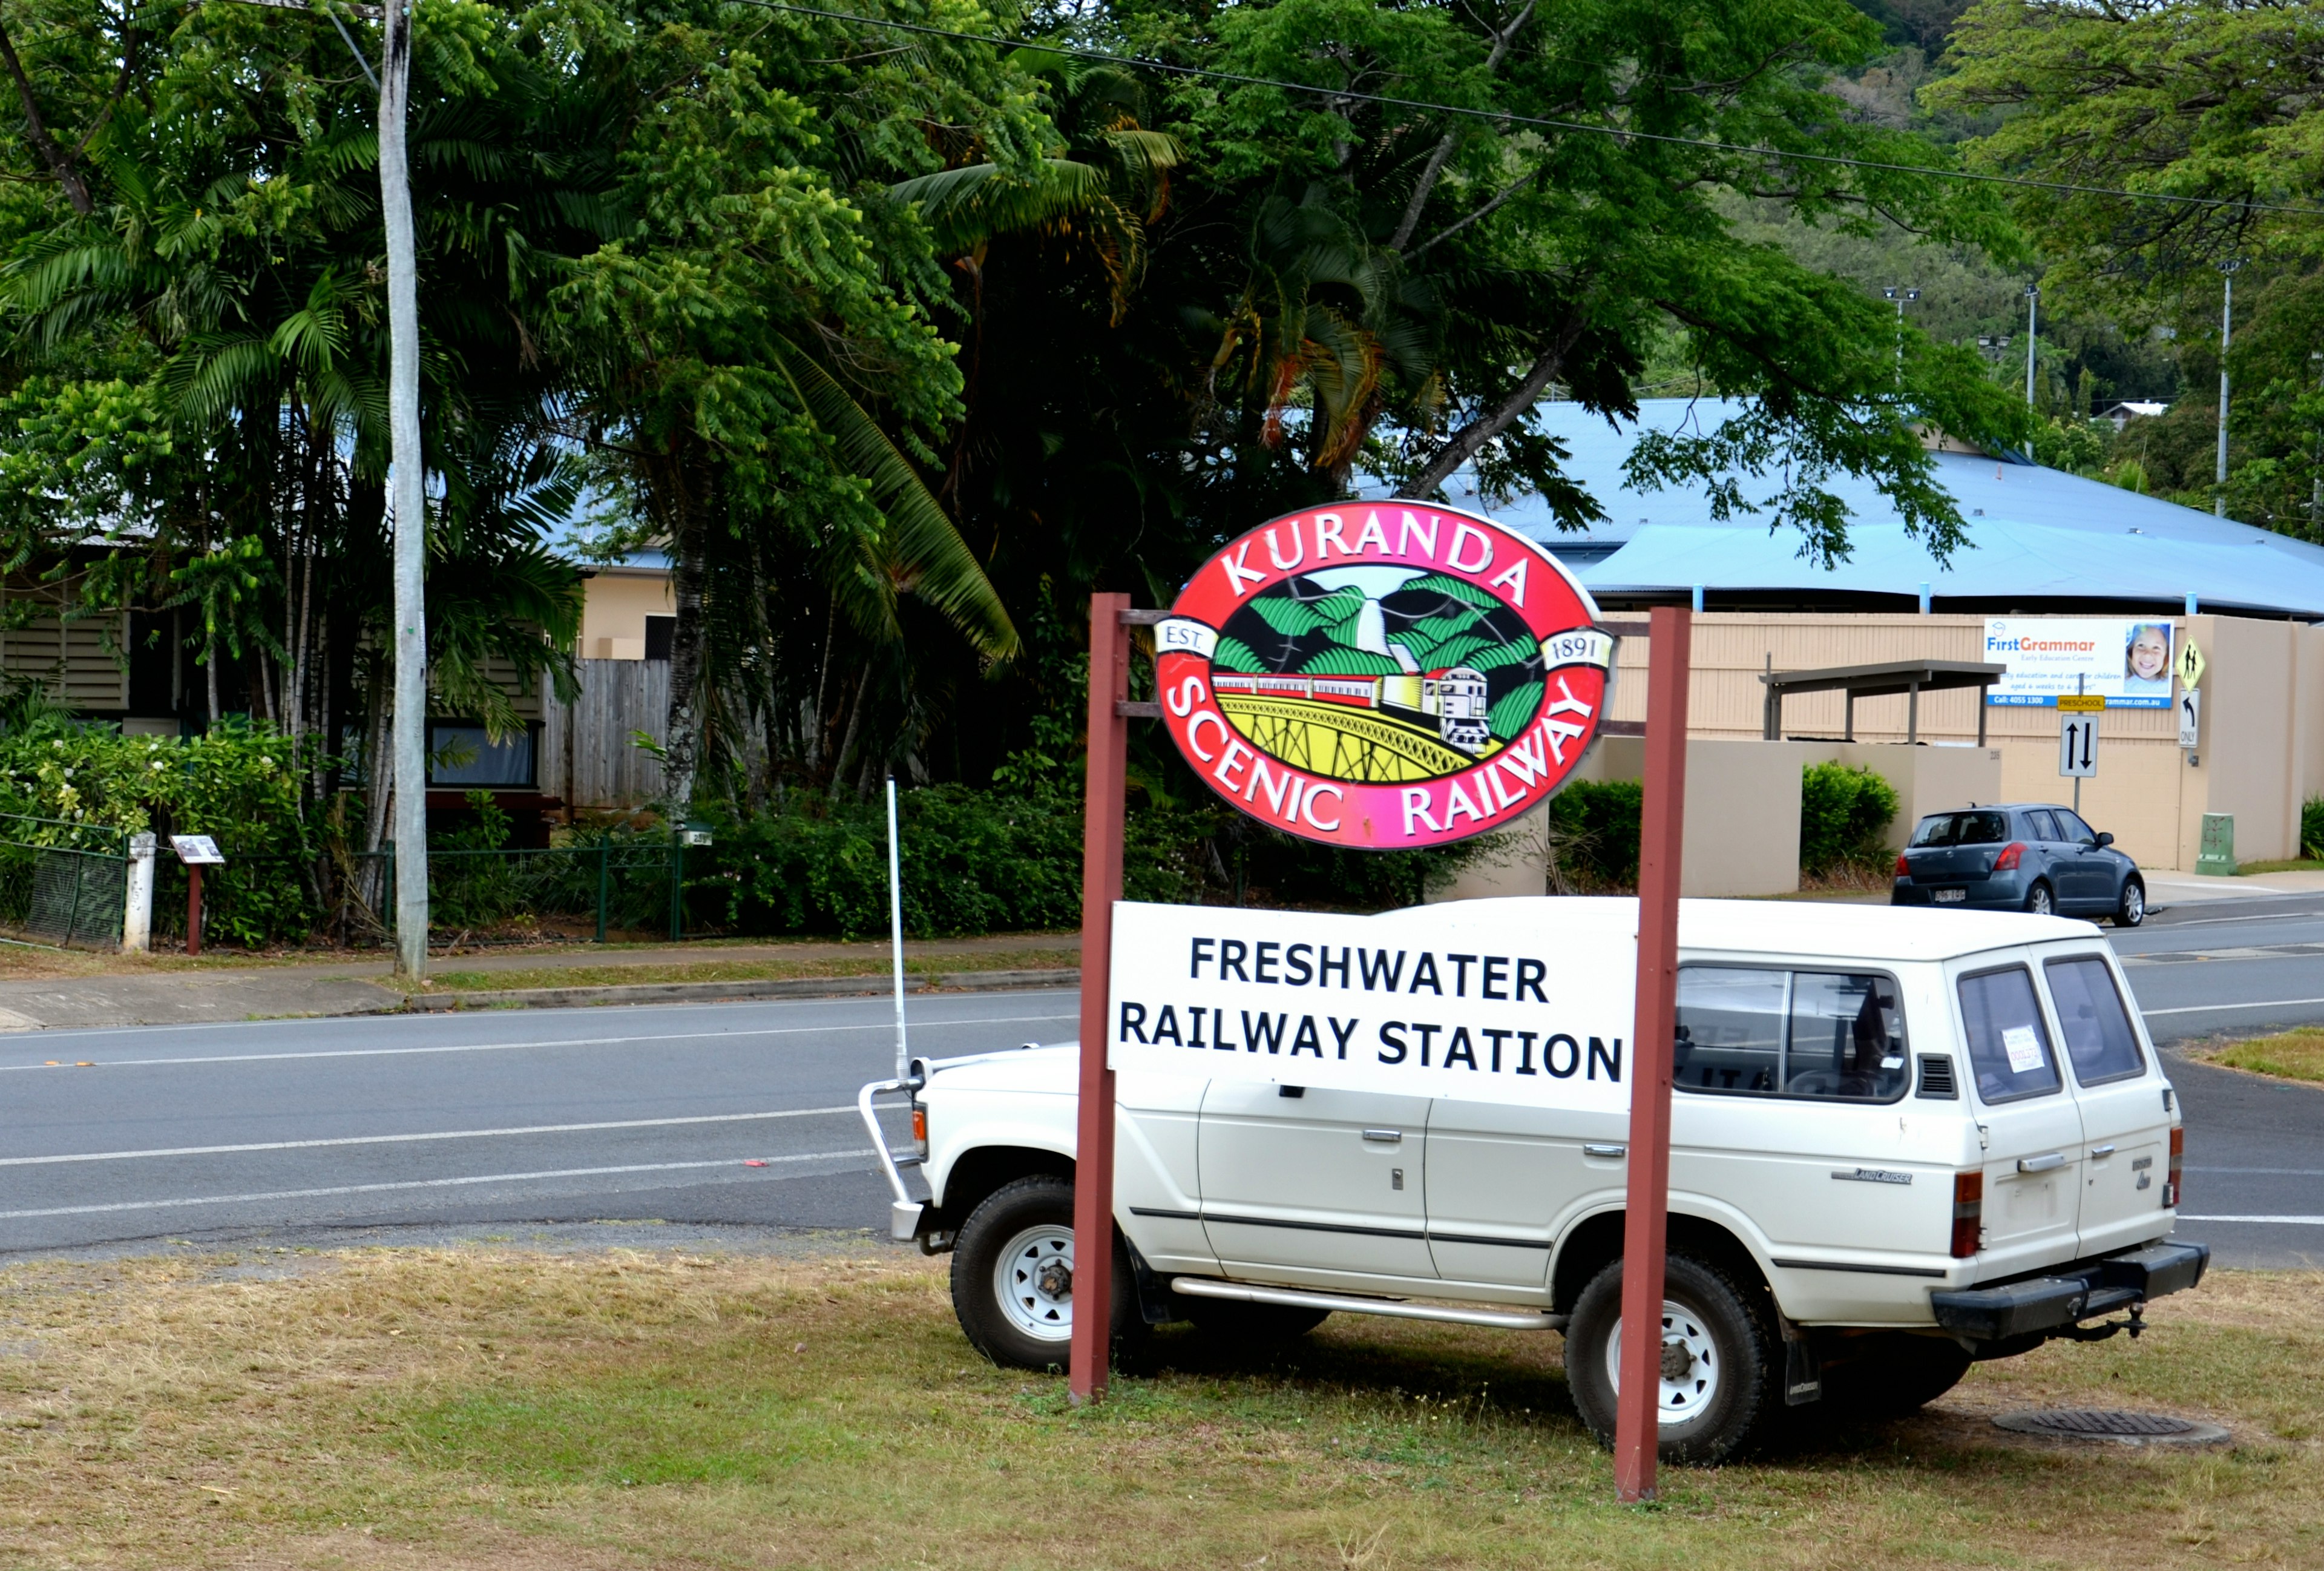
[587, 754]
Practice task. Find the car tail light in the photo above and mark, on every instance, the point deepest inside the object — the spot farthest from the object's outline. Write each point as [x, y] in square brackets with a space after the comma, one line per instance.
[2007, 861]
[1903, 868]
[2178, 1156]
[1968, 1212]
[920, 1127]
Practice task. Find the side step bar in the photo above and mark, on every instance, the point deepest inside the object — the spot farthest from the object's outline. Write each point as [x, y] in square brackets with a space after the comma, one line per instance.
[1393, 1308]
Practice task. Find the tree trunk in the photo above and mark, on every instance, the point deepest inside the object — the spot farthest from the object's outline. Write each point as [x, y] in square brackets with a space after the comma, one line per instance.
[1472, 437]
[685, 746]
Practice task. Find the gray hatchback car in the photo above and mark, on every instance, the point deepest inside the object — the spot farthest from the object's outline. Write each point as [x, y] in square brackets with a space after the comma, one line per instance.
[2028, 856]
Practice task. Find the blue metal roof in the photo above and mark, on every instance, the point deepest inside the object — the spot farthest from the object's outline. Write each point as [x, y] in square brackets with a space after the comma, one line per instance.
[2034, 534]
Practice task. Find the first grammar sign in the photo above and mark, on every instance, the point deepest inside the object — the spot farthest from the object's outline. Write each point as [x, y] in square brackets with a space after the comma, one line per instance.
[1525, 1002]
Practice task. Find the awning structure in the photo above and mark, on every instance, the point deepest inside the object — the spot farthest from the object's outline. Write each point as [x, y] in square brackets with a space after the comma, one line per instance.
[1912, 676]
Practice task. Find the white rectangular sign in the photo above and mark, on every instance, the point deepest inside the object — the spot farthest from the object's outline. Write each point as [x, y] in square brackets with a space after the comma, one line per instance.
[2190, 717]
[197, 850]
[2077, 745]
[2126, 660]
[1521, 1001]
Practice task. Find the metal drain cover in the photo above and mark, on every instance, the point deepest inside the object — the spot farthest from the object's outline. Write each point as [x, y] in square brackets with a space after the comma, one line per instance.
[2123, 1429]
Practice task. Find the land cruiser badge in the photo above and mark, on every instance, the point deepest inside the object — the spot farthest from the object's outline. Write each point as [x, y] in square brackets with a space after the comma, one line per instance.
[1383, 675]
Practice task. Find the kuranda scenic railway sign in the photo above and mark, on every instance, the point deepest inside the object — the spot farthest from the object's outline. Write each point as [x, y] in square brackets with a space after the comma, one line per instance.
[1382, 675]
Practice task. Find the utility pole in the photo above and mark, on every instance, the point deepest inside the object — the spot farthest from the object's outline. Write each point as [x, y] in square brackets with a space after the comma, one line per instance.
[1900, 296]
[2226, 330]
[2032, 302]
[406, 502]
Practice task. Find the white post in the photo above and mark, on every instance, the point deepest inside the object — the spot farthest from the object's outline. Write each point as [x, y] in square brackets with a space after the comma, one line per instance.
[137, 906]
[896, 925]
[2032, 304]
[406, 504]
[2227, 331]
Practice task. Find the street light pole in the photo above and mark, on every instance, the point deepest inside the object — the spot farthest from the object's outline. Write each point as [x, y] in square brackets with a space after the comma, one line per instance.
[1900, 296]
[2032, 300]
[406, 504]
[2226, 335]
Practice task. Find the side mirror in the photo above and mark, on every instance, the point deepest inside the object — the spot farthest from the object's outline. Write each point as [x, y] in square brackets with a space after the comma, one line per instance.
[2105, 838]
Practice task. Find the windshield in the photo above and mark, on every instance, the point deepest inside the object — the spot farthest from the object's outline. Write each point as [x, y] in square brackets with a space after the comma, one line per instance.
[1973, 829]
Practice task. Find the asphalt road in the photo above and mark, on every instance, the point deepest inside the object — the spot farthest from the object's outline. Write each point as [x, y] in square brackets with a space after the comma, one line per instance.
[741, 1114]
[2255, 1148]
[548, 1115]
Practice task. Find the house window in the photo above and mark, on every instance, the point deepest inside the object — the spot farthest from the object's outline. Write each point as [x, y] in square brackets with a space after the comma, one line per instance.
[662, 633]
[461, 755]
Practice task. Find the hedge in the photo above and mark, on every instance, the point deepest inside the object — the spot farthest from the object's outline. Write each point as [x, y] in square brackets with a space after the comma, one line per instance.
[1845, 812]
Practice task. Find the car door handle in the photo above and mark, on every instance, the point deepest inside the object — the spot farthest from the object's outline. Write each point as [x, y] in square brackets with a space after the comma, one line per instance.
[1385, 1136]
[2048, 1162]
[2101, 1151]
[1604, 1150]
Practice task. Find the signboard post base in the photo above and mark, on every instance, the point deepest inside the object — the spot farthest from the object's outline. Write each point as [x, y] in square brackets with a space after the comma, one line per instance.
[1091, 1349]
[1645, 1234]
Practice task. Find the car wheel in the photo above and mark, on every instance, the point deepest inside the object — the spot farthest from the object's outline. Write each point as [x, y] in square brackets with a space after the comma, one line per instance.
[2132, 911]
[1012, 1277]
[1234, 1320]
[1722, 1361]
[2039, 900]
[1899, 1377]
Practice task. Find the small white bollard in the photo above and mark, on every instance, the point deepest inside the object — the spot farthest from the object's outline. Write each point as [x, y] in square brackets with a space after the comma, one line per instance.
[137, 907]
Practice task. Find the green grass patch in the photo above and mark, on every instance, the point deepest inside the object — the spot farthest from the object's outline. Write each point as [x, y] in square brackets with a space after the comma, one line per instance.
[2294, 865]
[2295, 1055]
[747, 970]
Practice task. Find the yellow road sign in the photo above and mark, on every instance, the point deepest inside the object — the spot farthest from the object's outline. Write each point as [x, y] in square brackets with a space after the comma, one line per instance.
[2191, 664]
[2081, 702]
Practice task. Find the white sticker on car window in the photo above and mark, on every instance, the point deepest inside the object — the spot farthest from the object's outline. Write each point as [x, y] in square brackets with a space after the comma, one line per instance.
[2023, 1048]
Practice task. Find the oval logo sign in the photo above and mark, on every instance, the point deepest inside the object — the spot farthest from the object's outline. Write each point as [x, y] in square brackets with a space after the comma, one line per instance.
[1382, 675]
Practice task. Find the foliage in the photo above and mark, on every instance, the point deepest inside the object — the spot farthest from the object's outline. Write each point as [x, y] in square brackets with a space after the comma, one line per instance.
[240, 783]
[2311, 828]
[1844, 813]
[1594, 837]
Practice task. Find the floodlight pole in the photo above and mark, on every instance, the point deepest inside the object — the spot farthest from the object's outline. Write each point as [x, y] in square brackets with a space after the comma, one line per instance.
[406, 504]
[2032, 304]
[2227, 331]
[1092, 1348]
[1662, 819]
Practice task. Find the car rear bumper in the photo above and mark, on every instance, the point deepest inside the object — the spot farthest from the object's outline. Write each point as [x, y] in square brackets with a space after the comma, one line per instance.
[2004, 892]
[2044, 1305]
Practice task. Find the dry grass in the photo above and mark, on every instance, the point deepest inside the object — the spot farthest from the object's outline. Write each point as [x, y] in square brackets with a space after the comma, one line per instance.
[412, 1409]
[2295, 1055]
[612, 976]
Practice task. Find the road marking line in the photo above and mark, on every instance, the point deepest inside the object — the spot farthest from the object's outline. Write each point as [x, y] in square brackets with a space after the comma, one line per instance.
[795, 1030]
[2292, 1221]
[295, 1145]
[2208, 1008]
[2274, 1172]
[857, 1155]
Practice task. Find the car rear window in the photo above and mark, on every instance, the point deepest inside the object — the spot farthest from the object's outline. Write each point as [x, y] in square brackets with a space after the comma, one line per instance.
[2090, 1017]
[2008, 1046]
[1828, 1036]
[1976, 829]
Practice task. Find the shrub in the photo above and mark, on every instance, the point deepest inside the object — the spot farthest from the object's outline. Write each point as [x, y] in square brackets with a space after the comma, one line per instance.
[2311, 828]
[1593, 842]
[1844, 815]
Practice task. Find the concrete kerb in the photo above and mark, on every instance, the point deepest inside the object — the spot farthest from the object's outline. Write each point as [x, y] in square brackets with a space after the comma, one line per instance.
[720, 992]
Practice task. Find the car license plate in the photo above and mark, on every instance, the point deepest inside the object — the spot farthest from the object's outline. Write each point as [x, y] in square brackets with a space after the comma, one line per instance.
[1948, 896]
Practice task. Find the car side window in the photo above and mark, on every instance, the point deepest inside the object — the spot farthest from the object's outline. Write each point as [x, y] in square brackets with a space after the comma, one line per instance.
[2076, 831]
[2008, 1046]
[1826, 1036]
[2044, 827]
[2090, 1017]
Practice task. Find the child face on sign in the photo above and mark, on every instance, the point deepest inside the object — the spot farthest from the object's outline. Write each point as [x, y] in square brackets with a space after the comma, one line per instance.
[2150, 654]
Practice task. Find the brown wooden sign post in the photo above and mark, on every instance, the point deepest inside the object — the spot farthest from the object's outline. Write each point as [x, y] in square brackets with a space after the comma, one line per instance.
[1091, 1349]
[1645, 1234]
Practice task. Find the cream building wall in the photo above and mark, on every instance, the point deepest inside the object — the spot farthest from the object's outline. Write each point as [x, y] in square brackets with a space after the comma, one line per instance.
[615, 605]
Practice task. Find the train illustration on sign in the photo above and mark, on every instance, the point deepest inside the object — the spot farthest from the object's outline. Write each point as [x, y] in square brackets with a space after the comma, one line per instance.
[1453, 697]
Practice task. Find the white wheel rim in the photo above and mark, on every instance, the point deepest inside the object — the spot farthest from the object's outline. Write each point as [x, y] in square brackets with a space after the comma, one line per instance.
[1696, 1386]
[2041, 903]
[1033, 1279]
[2134, 902]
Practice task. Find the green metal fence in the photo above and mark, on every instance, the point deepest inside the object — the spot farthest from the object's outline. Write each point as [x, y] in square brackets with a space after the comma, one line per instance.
[597, 891]
[61, 882]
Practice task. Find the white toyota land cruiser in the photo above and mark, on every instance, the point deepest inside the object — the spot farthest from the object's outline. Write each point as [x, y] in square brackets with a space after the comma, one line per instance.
[1901, 1141]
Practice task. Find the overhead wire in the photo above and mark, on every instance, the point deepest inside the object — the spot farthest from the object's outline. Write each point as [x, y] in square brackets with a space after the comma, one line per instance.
[1511, 117]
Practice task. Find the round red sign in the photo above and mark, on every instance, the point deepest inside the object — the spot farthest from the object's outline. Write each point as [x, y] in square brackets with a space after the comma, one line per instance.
[1382, 675]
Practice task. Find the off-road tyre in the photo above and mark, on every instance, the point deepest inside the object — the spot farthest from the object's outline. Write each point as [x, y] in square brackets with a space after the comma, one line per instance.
[1896, 1376]
[1232, 1322]
[2130, 909]
[1744, 1398]
[1038, 1209]
[2041, 901]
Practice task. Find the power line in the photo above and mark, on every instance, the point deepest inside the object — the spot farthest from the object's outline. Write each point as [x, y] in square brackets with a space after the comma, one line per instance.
[1509, 117]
